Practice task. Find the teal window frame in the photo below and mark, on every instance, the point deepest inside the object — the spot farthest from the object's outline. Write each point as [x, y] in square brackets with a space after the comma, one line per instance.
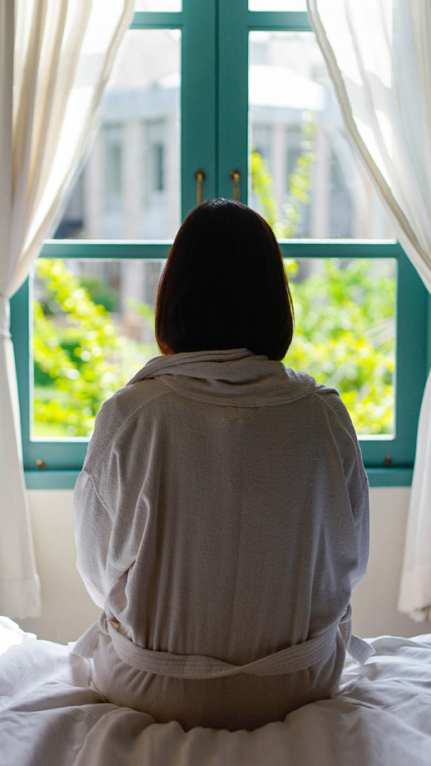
[214, 130]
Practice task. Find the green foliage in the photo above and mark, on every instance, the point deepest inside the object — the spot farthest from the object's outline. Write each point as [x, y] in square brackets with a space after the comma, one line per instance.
[79, 348]
[285, 222]
[344, 334]
[98, 291]
[344, 337]
[263, 187]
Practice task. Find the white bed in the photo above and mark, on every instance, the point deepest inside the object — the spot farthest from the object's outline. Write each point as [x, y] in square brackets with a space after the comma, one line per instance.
[50, 716]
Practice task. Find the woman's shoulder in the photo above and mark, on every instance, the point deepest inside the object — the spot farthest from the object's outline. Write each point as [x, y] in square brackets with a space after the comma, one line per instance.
[329, 403]
[308, 387]
[120, 411]
[129, 400]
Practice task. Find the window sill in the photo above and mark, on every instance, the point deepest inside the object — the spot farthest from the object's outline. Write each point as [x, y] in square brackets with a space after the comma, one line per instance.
[378, 477]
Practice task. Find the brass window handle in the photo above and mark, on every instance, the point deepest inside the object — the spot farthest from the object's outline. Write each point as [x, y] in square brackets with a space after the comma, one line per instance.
[199, 175]
[235, 176]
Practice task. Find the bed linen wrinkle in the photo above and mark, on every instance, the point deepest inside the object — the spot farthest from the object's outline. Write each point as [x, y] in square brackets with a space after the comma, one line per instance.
[375, 719]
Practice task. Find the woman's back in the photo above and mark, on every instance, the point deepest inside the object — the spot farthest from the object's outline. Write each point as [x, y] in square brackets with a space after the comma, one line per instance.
[234, 505]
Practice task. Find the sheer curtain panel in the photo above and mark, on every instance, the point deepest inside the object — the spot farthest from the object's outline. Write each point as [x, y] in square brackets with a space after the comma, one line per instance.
[379, 57]
[55, 59]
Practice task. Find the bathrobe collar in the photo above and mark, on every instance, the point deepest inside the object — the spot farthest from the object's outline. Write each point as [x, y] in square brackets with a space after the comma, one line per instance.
[233, 377]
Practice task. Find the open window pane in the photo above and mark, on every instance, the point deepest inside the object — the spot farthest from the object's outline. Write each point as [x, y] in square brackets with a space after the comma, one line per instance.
[129, 185]
[303, 175]
[345, 333]
[94, 329]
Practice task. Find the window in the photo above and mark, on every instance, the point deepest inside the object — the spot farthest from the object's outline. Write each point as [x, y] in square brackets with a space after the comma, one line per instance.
[113, 167]
[218, 87]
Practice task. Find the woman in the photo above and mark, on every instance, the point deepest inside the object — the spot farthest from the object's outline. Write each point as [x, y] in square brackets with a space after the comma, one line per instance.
[222, 510]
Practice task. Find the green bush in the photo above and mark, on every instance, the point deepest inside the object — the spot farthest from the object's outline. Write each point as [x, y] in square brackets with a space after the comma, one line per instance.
[344, 337]
[81, 351]
[98, 291]
[344, 317]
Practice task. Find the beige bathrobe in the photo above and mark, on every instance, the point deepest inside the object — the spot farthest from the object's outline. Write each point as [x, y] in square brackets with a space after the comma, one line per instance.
[221, 523]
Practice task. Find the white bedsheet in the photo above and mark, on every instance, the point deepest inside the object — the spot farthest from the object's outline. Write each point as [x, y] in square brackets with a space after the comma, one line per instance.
[50, 716]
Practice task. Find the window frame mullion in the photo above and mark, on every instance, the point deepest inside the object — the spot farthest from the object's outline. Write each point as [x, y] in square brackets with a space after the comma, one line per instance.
[232, 134]
[199, 101]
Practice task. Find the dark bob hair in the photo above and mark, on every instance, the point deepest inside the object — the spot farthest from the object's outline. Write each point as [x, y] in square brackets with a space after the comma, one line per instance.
[224, 285]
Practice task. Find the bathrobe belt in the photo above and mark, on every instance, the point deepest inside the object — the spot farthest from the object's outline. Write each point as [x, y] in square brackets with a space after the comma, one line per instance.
[314, 651]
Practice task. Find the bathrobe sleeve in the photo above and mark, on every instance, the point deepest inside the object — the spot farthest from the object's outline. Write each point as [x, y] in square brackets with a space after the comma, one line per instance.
[360, 502]
[357, 485]
[355, 477]
[109, 521]
[93, 528]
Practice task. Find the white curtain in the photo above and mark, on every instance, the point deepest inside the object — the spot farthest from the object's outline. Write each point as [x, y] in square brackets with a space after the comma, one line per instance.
[55, 59]
[378, 54]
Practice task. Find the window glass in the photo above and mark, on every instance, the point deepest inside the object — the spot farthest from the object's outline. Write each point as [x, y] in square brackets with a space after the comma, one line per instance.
[113, 140]
[93, 329]
[129, 185]
[345, 333]
[305, 179]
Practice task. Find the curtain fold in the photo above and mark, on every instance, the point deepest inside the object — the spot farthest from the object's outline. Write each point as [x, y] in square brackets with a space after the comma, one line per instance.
[379, 59]
[55, 60]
